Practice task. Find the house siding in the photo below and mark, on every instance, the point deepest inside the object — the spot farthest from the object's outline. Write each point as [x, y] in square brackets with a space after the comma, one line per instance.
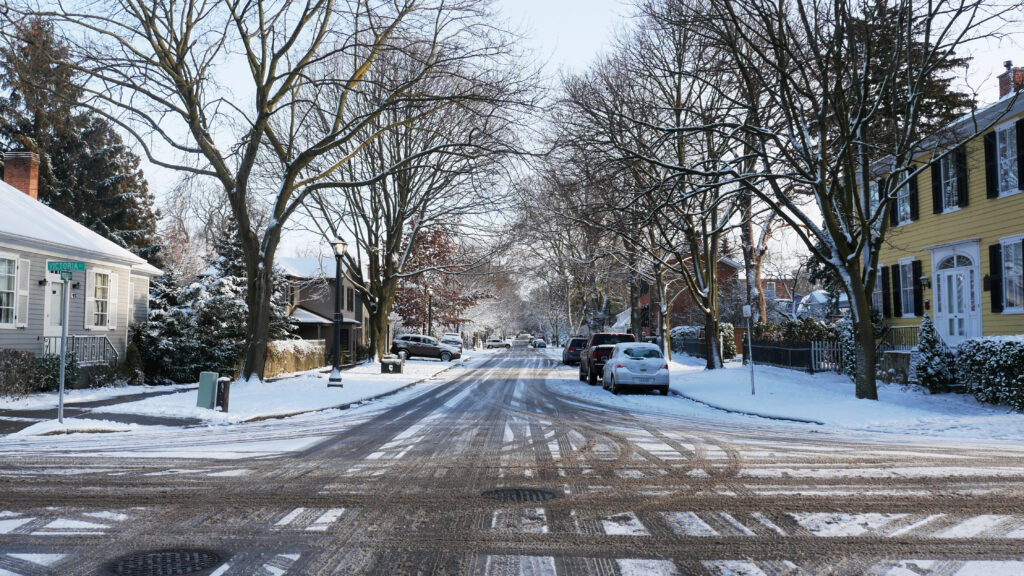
[985, 219]
[30, 338]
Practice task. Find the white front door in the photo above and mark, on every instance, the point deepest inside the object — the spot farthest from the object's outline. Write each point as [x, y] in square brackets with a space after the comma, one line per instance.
[52, 306]
[957, 310]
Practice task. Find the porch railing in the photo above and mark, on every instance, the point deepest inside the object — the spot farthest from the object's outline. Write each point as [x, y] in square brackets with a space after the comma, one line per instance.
[89, 350]
[900, 338]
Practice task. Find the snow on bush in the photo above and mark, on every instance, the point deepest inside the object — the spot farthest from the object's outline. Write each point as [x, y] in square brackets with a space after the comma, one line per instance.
[847, 346]
[991, 369]
[933, 362]
[728, 340]
[725, 329]
[285, 356]
[679, 333]
[793, 331]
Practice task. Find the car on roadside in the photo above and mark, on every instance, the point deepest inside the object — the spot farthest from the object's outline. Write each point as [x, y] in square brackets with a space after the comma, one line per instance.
[594, 356]
[497, 343]
[571, 353]
[636, 366]
[452, 339]
[413, 345]
[538, 343]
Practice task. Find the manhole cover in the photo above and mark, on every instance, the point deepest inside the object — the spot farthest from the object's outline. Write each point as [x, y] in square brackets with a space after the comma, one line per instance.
[164, 563]
[519, 495]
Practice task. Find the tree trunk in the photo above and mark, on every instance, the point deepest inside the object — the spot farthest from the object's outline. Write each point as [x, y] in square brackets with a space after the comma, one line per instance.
[258, 298]
[712, 342]
[666, 340]
[864, 379]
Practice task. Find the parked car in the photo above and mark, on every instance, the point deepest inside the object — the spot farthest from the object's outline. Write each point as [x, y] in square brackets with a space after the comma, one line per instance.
[497, 343]
[594, 356]
[637, 365]
[452, 339]
[409, 345]
[571, 354]
[538, 343]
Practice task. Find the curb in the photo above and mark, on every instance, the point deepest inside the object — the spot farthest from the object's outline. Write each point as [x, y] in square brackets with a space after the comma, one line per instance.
[745, 413]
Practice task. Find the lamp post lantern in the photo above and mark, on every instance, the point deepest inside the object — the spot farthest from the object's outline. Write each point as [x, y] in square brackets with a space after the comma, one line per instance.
[430, 311]
[340, 247]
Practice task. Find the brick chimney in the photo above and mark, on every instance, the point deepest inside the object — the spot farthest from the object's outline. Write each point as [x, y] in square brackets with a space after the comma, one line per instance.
[1012, 80]
[21, 170]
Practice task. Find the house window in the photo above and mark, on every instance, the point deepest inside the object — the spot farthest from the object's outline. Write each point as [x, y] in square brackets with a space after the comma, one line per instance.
[950, 188]
[1013, 275]
[101, 296]
[350, 296]
[907, 288]
[903, 204]
[769, 290]
[876, 295]
[1006, 151]
[8, 289]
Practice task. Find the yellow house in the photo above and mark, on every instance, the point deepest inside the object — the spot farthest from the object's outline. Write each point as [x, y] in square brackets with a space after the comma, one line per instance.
[956, 236]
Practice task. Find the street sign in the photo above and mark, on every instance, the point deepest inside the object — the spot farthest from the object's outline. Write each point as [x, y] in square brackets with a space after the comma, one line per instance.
[64, 266]
[66, 275]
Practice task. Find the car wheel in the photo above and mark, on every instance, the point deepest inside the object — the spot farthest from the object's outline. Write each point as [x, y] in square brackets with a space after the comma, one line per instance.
[446, 357]
[664, 390]
[507, 346]
[591, 378]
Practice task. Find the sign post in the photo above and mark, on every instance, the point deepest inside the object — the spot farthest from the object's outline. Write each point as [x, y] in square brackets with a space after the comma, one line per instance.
[66, 270]
[750, 345]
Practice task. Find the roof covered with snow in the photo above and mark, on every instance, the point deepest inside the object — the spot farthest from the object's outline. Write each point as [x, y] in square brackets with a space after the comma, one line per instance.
[306, 267]
[622, 320]
[27, 222]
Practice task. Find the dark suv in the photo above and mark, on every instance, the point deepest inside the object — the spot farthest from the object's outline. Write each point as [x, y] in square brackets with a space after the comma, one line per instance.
[598, 350]
[409, 345]
[571, 354]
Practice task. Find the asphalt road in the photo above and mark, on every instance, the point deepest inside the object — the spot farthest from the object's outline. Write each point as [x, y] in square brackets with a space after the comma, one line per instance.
[500, 473]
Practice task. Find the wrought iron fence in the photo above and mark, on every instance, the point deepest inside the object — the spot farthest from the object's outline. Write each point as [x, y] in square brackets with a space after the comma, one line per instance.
[89, 350]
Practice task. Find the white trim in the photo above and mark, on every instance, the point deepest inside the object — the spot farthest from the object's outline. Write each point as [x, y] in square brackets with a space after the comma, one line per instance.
[954, 244]
[906, 261]
[1011, 126]
[971, 248]
[1003, 243]
[13, 324]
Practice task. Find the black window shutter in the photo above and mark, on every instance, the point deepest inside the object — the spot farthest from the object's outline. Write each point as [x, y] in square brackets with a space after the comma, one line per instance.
[937, 187]
[995, 276]
[960, 157]
[915, 269]
[914, 210]
[894, 207]
[886, 294]
[897, 294]
[991, 166]
[1020, 154]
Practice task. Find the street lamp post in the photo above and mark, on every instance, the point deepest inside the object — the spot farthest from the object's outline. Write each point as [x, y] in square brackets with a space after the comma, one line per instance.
[339, 247]
[430, 311]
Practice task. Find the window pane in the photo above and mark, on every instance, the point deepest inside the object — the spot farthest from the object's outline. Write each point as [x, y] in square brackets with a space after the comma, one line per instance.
[1007, 158]
[7, 270]
[1013, 275]
[907, 288]
[950, 197]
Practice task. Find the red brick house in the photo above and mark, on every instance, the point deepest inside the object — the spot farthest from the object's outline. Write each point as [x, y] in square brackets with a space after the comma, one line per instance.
[683, 310]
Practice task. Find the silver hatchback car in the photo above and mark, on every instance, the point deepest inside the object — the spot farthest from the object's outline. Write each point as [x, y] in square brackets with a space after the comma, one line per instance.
[636, 365]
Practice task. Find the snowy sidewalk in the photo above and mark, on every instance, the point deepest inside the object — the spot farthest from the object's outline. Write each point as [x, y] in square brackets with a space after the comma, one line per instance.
[828, 398]
[116, 410]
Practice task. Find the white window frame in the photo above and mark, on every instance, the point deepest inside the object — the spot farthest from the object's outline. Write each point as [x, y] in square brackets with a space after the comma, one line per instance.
[14, 293]
[769, 289]
[1004, 242]
[947, 171]
[90, 299]
[1008, 131]
[903, 200]
[877, 302]
[906, 287]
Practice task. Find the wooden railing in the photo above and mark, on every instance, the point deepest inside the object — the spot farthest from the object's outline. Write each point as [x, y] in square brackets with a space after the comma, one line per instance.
[89, 350]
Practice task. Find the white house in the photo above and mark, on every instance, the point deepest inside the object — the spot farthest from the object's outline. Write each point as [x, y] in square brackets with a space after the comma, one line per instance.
[111, 293]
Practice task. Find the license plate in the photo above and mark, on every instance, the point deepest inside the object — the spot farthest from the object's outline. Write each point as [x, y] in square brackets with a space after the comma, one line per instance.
[643, 380]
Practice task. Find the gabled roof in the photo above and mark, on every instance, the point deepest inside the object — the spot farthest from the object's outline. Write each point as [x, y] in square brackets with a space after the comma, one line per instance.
[306, 268]
[27, 222]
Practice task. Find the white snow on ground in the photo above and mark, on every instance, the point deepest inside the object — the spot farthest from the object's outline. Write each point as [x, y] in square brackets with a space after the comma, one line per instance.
[73, 426]
[828, 524]
[44, 400]
[304, 393]
[626, 524]
[644, 567]
[827, 398]
[968, 568]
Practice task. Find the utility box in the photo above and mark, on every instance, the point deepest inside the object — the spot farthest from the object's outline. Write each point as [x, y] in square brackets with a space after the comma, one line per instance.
[391, 365]
[207, 390]
[223, 393]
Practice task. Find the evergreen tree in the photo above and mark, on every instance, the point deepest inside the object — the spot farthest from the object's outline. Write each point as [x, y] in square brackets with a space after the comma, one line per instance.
[934, 362]
[86, 172]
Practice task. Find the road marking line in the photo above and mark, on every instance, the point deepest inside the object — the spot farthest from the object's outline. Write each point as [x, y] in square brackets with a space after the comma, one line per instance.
[325, 520]
[290, 517]
[689, 524]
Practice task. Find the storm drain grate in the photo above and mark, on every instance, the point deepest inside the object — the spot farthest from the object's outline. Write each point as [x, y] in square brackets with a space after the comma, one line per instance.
[520, 495]
[164, 563]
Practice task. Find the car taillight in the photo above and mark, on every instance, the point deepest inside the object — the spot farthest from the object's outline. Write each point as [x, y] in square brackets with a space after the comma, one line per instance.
[394, 342]
[665, 367]
[619, 366]
[572, 349]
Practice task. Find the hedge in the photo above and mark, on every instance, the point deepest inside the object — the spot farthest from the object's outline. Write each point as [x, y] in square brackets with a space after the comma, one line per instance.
[991, 369]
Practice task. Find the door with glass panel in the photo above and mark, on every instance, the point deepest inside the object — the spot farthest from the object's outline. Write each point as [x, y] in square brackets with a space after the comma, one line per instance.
[956, 310]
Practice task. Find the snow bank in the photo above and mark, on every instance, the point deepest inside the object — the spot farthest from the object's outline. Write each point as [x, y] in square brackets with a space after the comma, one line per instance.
[43, 400]
[73, 426]
[256, 400]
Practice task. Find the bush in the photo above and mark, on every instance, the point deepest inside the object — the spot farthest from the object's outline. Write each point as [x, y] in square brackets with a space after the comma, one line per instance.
[990, 368]
[934, 362]
[679, 333]
[793, 331]
[47, 372]
[17, 373]
[847, 346]
[728, 340]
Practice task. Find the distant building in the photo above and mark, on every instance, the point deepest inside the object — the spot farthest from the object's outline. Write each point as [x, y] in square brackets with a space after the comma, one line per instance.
[310, 296]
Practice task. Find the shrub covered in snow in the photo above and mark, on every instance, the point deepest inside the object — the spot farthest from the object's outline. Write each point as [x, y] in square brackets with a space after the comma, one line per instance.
[793, 331]
[728, 340]
[934, 361]
[47, 372]
[847, 346]
[991, 369]
[678, 333]
[285, 356]
[725, 329]
[17, 373]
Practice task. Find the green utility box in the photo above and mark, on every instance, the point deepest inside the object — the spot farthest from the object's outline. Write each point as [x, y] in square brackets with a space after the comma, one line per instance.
[391, 365]
[207, 390]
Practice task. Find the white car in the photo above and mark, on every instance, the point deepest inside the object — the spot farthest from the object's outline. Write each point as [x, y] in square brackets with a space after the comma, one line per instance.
[636, 365]
[452, 339]
[497, 343]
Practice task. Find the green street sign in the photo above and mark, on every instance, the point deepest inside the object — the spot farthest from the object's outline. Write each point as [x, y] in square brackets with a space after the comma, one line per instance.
[64, 266]
[65, 275]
